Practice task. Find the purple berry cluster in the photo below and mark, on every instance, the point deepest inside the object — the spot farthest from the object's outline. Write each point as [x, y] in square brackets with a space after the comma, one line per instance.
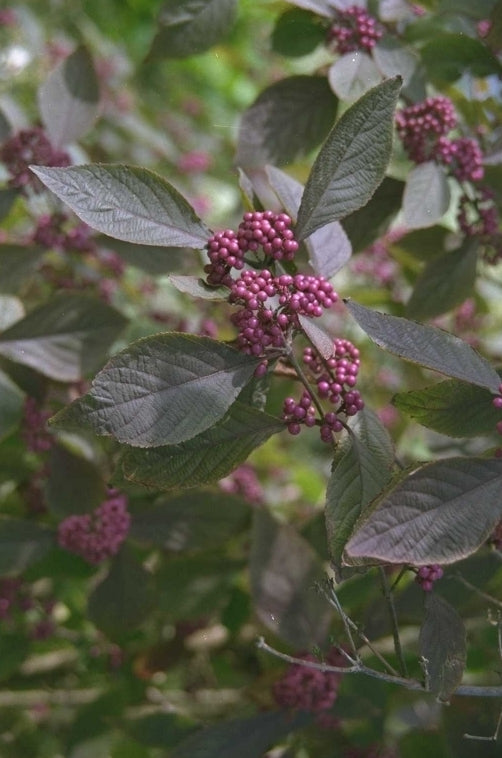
[478, 216]
[307, 689]
[34, 427]
[298, 413]
[354, 29]
[463, 156]
[244, 482]
[99, 535]
[54, 231]
[29, 147]
[427, 575]
[421, 125]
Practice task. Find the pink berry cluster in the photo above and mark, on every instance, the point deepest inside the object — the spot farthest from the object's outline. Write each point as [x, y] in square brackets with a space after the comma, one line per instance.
[34, 430]
[427, 575]
[22, 610]
[354, 29]
[244, 482]
[259, 230]
[54, 231]
[99, 535]
[478, 216]
[307, 689]
[29, 147]
[463, 156]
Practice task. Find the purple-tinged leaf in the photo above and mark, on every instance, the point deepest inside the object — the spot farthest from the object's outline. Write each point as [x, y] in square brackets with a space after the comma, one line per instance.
[353, 74]
[442, 646]
[426, 195]
[317, 336]
[321, 7]
[392, 58]
[196, 287]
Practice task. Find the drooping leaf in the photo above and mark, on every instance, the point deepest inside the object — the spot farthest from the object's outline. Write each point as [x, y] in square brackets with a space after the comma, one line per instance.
[74, 484]
[360, 472]
[17, 263]
[451, 407]
[192, 521]
[447, 57]
[164, 389]
[287, 120]
[68, 99]
[205, 458]
[369, 222]
[441, 513]
[131, 203]
[353, 74]
[196, 287]
[190, 27]
[11, 405]
[246, 737]
[284, 570]
[124, 598]
[426, 195]
[352, 162]
[65, 338]
[443, 647]
[22, 543]
[426, 345]
[393, 58]
[297, 32]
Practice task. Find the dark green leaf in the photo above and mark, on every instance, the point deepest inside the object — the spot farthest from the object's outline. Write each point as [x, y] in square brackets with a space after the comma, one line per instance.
[68, 100]
[190, 27]
[426, 345]
[162, 390]
[208, 456]
[366, 224]
[124, 598]
[64, 339]
[494, 36]
[352, 75]
[447, 57]
[441, 513]
[196, 287]
[11, 405]
[194, 521]
[162, 730]
[360, 472]
[442, 646]
[17, 263]
[284, 570]
[426, 195]
[74, 485]
[22, 543]
[424, 244]
[445, 283]
[154, 259]
[352, 161]
[287, 120]
[14, 648]
[452, 407]
[297, 32]
[127, 202]
[8, 197]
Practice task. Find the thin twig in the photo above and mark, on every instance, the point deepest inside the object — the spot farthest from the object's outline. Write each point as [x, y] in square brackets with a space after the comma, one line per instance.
[479, 592]
[393, 617]
[494, 736]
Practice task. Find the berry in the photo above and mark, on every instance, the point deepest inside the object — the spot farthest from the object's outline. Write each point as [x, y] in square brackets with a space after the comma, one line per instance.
[269, 231]
[308, 689]
[33, 429]
[420, 126]
[29, 147]
[427, 575]
[243, 481]
[354, 29]
[478, 215]
[463, 157]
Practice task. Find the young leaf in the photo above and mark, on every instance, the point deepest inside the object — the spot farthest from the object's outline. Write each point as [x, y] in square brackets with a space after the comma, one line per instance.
[352, 75]
[360, 472]
[190, 27]
[68, 100]
[352, 162]
[161, 390]
[443, 647]
[287, 120]
[22, 543]
[64, 339]
[284, 569]
[444, 283]
[426, 195]
[192, 521]
[207, 457]
[426, 345]
[297, 32]
[441, 513]
[127, 202]
[451, 407]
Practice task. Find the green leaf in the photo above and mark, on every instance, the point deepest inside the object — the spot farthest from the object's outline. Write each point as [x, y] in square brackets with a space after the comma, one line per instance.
[297, 32]
[426, 195]
[11, 405]
[245, 737]
[426, 345]
[194, 521]
[360, 472]
[424, 244]
[22, 543]
[205, 458]
[444, 283]
[11, 311]
[451, 407]
[287, 120]
[369, 222]
[190, 27]
[447, 57]
[162, 730]
[64, 339]
[441, 513]
[8, 196]
[154, 259]
[196, 287]
[352, 75]
[442, 646]
[284, 570]
[68, 100]
[127, 202]
[352, 162]
[17, 263]
[74, 484]
[124, 598]
[164, 389]
[14, 648]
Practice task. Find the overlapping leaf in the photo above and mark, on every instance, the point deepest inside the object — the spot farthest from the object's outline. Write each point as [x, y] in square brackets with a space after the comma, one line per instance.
[442, 646]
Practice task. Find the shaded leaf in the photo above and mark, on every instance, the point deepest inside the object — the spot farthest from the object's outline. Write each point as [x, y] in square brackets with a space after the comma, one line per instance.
[317, 336]
[441, 513]
[448, 56]
[127, 202]
[68, 100]
[297, 32]
[162, 730]
[452, 407]
[22, 543]
[426, 345]
[442, 643]
[11, 405]
[64, 339]
[163, 389]
[352, 75]
[17, 263]
[287, 120]
[205, 458]
[426, 195]
[195, 286]
[74, 484]
[8, 195]
[352, 162]
[284, 570]
[154, 259]
[393, 58]
[369, 222]
[190, 27]
[424, 244]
